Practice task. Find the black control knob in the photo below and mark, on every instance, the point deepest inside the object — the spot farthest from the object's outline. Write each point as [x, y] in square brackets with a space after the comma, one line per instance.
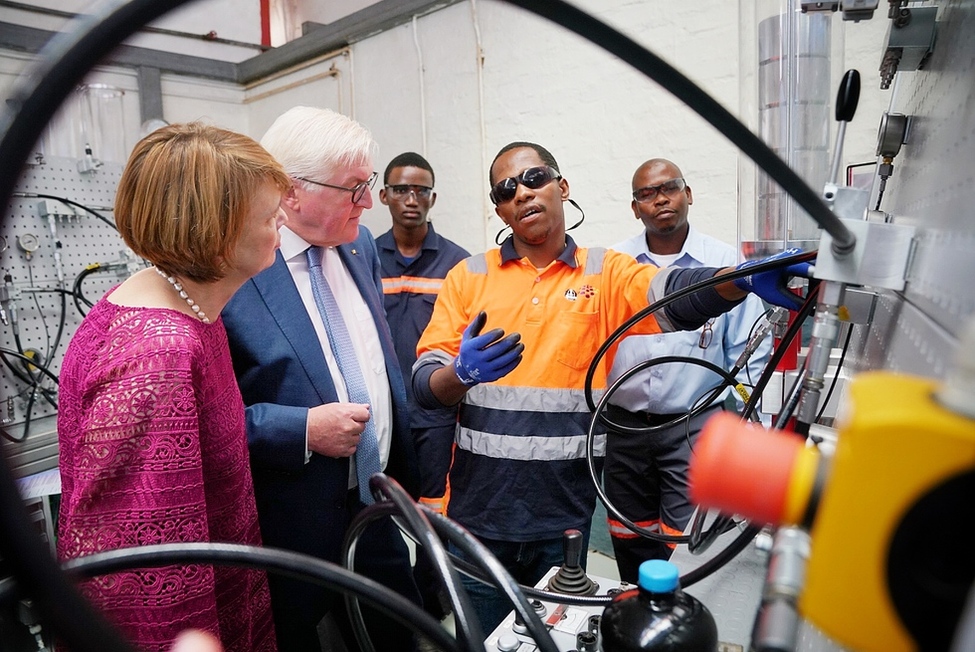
[571, 578]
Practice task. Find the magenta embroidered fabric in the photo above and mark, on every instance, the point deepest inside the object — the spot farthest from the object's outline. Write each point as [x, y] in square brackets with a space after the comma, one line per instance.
[153, 450]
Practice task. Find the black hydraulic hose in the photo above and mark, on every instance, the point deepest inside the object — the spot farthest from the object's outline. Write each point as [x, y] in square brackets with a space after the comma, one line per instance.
[4, 352]
[281, 562]
[617, 43]
[591, 442]
[466, 623]
[70, 202]
[79, 295]
[723, 556]
[490, 572]
[727, 380]
[790, 334]
[680, 294]
[28, 416]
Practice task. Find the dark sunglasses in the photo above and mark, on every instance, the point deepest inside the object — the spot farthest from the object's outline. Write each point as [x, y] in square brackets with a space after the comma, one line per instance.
[532, 178]
[403, 191]
[668, 188]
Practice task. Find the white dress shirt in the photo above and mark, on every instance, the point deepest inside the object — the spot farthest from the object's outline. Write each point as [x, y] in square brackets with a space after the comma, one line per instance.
[362, 330]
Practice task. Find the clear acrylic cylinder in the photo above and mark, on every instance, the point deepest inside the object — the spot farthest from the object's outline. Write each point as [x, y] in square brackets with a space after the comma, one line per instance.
[102, 122]
[788, 63]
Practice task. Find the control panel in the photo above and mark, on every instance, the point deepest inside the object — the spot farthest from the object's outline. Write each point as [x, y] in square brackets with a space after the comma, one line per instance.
[572, 627]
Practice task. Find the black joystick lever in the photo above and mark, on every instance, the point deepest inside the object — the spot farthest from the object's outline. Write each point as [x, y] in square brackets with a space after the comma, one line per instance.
[570, 578]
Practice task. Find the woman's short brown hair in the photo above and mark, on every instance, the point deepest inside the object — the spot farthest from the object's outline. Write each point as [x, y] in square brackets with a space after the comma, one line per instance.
[184, 193]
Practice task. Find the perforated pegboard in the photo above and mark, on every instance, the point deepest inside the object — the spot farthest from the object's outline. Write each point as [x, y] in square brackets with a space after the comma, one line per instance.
[84, 239]
[933, 188]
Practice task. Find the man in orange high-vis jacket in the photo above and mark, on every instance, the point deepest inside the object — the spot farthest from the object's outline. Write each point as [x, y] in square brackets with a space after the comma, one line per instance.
[519, 477]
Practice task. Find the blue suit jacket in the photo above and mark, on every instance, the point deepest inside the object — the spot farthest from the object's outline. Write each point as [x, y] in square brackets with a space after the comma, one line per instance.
[282, 372]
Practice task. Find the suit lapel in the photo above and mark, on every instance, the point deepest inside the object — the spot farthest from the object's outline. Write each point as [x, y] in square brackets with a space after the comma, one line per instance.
[277, 289]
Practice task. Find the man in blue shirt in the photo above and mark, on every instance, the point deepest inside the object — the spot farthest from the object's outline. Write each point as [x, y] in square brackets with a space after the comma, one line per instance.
[414, 260]
[646, 475]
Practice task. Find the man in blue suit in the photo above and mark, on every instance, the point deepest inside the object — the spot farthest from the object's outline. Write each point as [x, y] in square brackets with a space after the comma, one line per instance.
[305, 422]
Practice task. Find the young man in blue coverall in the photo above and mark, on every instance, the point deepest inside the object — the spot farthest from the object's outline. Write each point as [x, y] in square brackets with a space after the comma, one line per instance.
[519, 477]
[415, 259]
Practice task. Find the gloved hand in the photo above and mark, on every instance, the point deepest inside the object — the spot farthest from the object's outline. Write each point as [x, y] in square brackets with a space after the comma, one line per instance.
[485, 358]
[773, 285]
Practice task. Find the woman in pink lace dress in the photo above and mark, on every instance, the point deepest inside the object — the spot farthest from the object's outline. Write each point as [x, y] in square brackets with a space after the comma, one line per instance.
[151, 423]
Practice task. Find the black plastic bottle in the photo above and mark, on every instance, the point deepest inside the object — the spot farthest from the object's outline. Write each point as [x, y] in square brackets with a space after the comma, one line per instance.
[658, 616]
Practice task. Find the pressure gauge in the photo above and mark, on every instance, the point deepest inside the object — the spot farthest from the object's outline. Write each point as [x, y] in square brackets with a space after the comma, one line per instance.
[29, 243]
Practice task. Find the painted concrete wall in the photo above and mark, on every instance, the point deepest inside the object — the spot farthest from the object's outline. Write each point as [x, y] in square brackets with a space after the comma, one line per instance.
[538, 82]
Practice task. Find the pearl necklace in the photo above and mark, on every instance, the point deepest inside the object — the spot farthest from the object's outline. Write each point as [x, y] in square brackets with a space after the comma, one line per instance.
[182, 293]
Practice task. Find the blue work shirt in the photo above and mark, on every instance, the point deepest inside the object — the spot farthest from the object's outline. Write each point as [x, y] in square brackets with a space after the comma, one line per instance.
[410, 289]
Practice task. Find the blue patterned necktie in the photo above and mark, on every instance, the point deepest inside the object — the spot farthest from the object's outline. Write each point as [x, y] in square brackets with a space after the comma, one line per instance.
[367, 453]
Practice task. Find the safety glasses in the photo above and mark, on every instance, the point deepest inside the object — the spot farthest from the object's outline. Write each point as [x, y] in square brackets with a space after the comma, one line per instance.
[668, 188]
[358, 190]
[532, 178]
[422, 193]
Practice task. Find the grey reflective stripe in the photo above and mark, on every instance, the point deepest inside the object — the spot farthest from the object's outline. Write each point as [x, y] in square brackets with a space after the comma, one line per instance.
[594, 261]
[530, 399]
[429, 356]
[511, 447]
[477, 264]
[658, 289]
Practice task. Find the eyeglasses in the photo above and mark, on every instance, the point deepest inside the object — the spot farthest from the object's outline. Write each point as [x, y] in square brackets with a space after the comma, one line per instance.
[707, 334]
[533, 178]
[358, 190]
[669, 188]
[403, 191]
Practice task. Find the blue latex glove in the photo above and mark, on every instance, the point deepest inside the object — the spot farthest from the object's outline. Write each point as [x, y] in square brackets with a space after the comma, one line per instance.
[773, 285]
[485, 358]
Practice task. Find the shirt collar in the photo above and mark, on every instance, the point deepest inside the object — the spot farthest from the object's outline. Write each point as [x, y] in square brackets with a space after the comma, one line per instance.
[693, 247]
[292, 244]
[568, 255]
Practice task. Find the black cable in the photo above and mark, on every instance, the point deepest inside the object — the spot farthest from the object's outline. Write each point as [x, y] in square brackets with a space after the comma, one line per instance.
[680, 294]
[281, 562]
[70, 202]
[790, 334]
[466, 623]
[727, 380]
[751, 331]
[79, 295]
[723, 556]
[490, 572]
[839, 367]
[44, 370]
[591, 443]
[617, 43]
[29, 410]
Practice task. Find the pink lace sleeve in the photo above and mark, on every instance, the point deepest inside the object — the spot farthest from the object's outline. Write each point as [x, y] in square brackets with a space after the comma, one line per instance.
[134, 475]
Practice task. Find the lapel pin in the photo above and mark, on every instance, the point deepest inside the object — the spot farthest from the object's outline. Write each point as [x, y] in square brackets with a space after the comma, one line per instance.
[354, 252]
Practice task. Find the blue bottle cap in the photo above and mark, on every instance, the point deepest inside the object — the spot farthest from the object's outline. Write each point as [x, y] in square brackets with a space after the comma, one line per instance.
[658, 576]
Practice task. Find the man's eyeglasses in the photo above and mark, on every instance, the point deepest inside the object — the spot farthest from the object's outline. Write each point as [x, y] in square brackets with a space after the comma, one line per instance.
[707, 334]
[358, 190]
[403, 191]
[669, 188]
[533, 178]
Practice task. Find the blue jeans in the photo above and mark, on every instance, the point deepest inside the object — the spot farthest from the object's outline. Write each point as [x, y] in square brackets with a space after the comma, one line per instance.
[527, 562]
